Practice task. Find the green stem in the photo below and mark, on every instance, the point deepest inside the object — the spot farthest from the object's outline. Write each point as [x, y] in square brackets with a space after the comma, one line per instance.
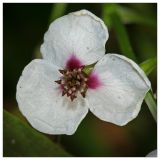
[149, 99]
[122, 37]
[149, 65]
[57, 11]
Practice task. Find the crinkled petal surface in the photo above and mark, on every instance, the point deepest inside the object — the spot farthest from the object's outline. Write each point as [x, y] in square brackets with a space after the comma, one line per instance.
[39, 99]
[123, 88]
[79, 33]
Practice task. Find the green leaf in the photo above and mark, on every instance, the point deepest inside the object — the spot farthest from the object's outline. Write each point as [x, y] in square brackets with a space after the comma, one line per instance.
[107, 10]
[122, 37]
[128, 15]
[58, 10]
[20, 140]
[88, 68]
[149, 99]
[149, 65]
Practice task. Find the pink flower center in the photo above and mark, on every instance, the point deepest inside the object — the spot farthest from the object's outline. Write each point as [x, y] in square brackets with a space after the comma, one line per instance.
[74, 80]
[73, 62]
[93, 81]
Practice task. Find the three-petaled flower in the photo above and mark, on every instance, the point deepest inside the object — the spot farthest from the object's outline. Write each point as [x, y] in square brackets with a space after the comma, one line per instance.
[55, 94]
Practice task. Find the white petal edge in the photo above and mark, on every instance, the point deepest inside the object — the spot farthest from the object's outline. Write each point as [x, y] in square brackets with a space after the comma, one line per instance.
[124, 87]
[80, 33]
[40, 101]
[152, 154]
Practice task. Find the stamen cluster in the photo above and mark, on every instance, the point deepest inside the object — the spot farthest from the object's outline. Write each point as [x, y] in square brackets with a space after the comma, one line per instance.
[72, 82]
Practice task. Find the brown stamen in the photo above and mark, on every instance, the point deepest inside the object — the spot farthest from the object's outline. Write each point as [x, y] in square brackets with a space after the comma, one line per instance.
[72, 82]
[58, 81]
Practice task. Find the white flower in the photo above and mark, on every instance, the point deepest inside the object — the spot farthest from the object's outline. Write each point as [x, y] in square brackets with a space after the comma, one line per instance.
[55, 95]
[152, 154]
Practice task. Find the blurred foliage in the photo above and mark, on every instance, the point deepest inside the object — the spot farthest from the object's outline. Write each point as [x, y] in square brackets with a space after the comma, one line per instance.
[149, 65]
[129, 15]
[20, 140]
[122, 37]
[57, 11]
[132, 32]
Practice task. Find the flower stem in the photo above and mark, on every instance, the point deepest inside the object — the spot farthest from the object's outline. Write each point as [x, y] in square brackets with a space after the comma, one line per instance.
[149, 99]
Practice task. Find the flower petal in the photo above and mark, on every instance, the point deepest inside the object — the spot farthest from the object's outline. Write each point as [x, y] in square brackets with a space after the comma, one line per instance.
[124, 85]
[79, 33]
[41, 102]
[152, 154]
